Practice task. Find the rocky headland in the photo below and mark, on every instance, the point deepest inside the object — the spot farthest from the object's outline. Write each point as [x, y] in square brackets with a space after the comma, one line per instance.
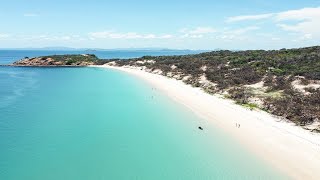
[58, 60]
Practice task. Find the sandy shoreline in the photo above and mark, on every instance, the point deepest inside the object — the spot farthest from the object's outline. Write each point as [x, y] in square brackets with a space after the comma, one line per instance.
[286, 147]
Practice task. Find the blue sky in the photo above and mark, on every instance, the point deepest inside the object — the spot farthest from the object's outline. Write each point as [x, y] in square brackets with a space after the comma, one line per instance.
[201, 24]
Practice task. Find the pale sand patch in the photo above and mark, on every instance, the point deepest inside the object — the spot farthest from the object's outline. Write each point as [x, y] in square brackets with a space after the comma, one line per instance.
[204, 68]
[258, 85]
[173, 67]
[300, 87]
[285, 146]
[205, 82]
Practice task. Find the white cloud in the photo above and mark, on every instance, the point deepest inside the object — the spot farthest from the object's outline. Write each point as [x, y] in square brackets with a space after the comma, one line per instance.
[129, 35]
[198, 32]
[193, 36]
[305, 21]
[307, 36]
[30, 15]
[239, 34]
[4, 36]
[301, 14]
[308, 21]
[242, 30]
[248, 17]
[226, 37]
[166, 36]
[46, 37]
[202, 30]
[275, 39]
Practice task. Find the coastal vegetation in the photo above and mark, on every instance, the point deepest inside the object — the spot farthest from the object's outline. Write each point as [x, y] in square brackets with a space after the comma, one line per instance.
[283, 82]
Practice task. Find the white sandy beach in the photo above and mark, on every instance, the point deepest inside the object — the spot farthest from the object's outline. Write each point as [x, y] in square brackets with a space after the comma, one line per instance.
[285, 146]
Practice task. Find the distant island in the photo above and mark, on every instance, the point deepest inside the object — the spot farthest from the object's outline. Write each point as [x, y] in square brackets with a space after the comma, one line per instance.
[283, 82]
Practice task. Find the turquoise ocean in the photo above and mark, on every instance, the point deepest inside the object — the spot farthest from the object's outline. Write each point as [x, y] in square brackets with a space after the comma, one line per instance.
[95, 123]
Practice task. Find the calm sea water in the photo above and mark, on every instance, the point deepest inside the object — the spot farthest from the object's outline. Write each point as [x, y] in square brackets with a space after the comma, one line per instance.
[93, 123]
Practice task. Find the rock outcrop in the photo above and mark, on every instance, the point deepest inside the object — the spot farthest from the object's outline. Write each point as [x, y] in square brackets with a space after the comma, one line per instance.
[63, 60]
